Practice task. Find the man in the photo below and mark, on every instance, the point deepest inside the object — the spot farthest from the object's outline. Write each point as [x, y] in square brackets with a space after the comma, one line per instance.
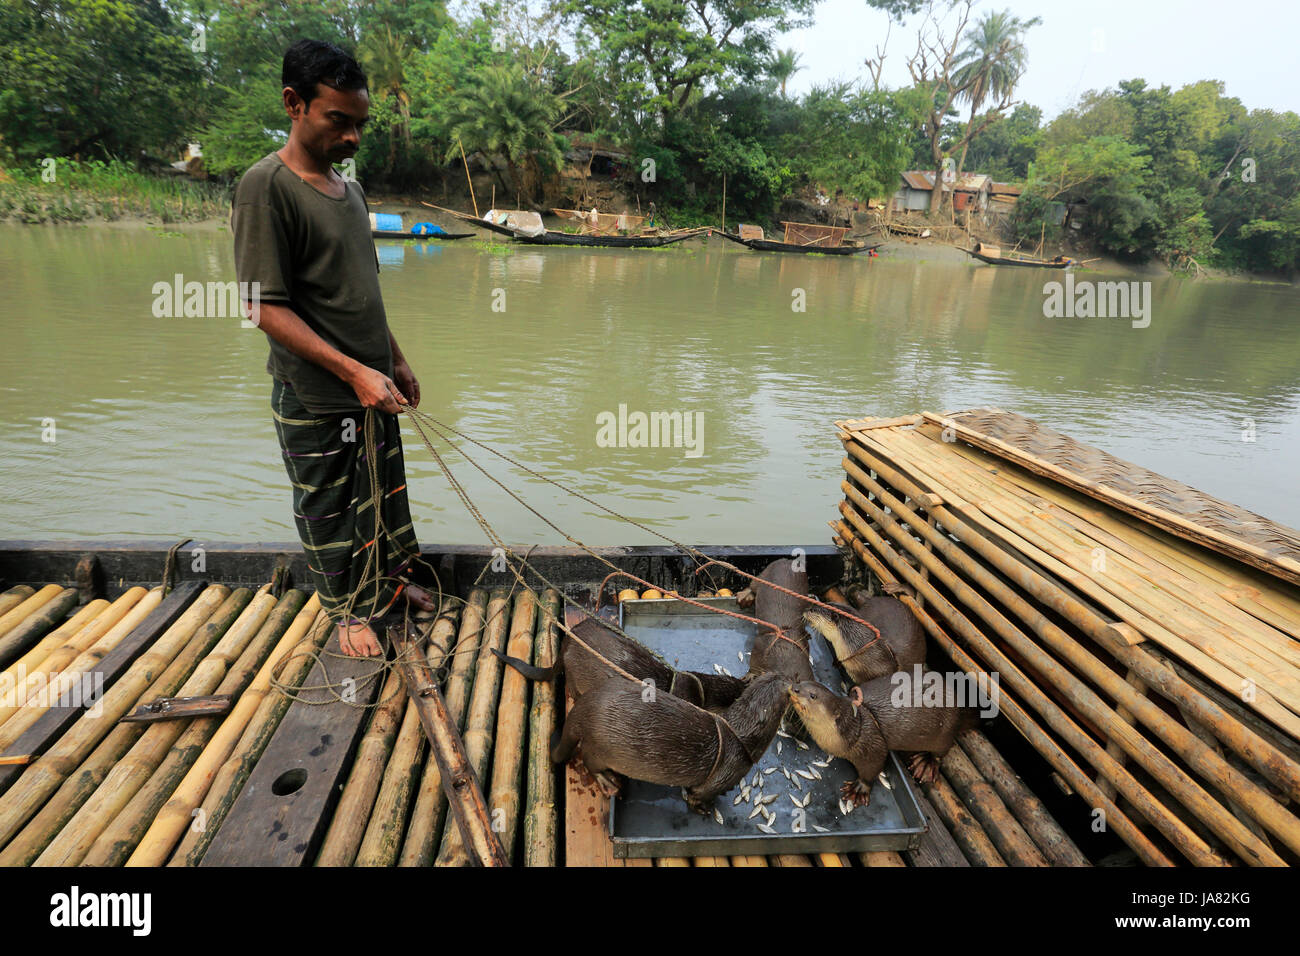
[303, 233]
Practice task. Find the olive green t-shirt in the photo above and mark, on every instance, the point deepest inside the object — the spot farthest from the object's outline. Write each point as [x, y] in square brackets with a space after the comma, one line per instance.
[314, 254]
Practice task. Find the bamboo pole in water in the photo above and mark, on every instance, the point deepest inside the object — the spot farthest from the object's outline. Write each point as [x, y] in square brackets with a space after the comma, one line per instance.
[348, 825]
[37, 624]
[430, 812]
[205, 796]
[28, 607]
[541, 817]
[512, 728]
[120, 838]
[46, 775]
[13, 597]
[59, 636]
[62, 829]
[26, 708]
[482, 714]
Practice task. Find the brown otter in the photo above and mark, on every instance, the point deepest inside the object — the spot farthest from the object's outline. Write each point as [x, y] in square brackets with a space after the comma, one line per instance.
[864, 734]
[582, 670]
[787, 654]
[662, 739]
[863, 656]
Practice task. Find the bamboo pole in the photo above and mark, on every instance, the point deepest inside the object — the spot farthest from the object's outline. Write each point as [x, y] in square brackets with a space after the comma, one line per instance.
[511, 728]
[102, 636]
[965, 829]
[749, 861]
[205, 796]
[383, 837]
[1028, 809]
[791, 859]
[121, 837]
[467, 179]
[882, 858]
[430, 808]
[480, 722]
[1163, 769]
[1012, 842]
[28, 607]
[459, 780]
[890, 568]
[46, 775]
[37, 624]
[1200, 757]
[135, 755]
[58, 637]
[672, 861]
[13, 597]
[348, 825]
[541, 821]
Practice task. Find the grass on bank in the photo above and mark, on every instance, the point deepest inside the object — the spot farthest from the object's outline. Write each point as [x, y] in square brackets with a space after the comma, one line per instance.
[94, 189]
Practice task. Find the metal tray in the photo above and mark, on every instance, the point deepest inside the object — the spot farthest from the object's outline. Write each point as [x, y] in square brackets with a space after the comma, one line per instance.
[648, 820]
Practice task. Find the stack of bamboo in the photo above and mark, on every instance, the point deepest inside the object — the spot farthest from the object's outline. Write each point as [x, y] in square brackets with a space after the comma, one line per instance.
[1159, 680]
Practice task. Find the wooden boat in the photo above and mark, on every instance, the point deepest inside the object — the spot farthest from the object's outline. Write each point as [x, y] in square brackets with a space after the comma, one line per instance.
[394, 234]
[992, 255]
[606, 222]
[553, 237]
[802, 237]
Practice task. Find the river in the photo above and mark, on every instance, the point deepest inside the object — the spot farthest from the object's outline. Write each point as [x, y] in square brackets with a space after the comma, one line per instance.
[162, 430]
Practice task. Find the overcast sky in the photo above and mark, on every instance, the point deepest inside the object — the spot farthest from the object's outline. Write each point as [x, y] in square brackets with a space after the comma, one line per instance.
[1251, 45]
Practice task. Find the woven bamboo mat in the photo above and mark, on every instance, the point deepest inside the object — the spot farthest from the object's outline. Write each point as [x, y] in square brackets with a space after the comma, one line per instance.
[1194, 604]
[1164, 502]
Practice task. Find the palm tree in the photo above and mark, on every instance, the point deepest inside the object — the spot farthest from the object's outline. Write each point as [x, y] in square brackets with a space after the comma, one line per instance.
[992, 63]
[383, 55]
[784, 64]
[505, 112]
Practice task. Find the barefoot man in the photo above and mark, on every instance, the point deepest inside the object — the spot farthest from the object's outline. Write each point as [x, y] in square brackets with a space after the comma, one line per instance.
[302, 232]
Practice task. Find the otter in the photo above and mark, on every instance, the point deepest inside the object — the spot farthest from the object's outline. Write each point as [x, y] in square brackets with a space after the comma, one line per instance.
[788, 654]
[582, 670]
[662, 739]
[864, 733]
[863, 656]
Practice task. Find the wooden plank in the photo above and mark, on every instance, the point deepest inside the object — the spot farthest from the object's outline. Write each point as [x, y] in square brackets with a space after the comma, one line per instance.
[68, 709]
[937, 847]
[306, 761]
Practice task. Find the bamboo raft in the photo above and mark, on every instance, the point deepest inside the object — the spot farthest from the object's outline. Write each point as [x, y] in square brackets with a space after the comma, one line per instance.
[1122, 643]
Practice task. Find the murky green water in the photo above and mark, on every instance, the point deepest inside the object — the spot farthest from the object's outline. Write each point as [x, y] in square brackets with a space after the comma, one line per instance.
[163, 428]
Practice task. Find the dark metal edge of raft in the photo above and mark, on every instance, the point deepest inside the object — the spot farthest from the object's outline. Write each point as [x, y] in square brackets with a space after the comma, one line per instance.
[128, 563]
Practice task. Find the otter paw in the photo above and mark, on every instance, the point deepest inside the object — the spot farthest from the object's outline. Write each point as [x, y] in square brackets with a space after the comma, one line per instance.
[609, 784]
[894, 588]
[856, 792]
[924, 767]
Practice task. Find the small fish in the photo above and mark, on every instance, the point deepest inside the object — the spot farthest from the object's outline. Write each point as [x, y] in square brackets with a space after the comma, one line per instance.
[740, 796]
[807, 798]
[723, 670]
[717, 815]
[744, 792]
[796, 783]
[769, 770]
[793, 800]
[820, 829]
[764, 801]
[805, 774]
[801, 745]
[844, 688]
[758, 808]
[885, 780]
[781, 733]
[766, 828]
[740, 656]
[845, 807]
[812, 768]
[787, 773]
[822, 763]
[754, 782]
[717, 668]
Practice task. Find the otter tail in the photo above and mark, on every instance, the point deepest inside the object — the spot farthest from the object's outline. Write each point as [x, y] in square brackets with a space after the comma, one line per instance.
[562, 745]
[528, 670]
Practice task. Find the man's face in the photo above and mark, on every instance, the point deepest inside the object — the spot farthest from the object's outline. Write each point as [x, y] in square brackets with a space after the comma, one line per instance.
[329, 127]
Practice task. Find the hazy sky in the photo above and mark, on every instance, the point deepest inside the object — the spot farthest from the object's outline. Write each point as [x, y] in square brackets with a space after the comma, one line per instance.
[1250, 45]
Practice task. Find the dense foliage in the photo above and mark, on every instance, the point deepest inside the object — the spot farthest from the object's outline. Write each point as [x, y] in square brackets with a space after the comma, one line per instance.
[699, 89]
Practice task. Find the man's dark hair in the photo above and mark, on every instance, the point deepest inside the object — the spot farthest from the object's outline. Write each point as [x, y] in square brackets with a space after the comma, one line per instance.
[309, 62]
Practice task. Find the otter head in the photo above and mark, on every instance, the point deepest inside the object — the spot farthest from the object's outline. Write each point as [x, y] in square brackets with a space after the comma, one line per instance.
[816, 705]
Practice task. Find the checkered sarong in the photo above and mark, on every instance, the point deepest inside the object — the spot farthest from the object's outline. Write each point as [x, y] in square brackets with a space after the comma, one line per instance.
[333, 503]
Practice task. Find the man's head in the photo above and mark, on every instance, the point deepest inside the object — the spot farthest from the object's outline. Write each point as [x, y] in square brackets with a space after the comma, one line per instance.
[325, 96]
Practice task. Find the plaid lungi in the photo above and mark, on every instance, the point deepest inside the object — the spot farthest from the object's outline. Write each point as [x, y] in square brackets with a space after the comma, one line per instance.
[333, 504]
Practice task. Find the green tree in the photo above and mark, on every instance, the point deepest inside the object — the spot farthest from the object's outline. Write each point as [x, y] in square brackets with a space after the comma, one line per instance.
[784, 64]
[991, 65]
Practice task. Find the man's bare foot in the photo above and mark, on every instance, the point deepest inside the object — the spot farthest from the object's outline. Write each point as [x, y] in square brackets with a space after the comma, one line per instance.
[420, 598]
[359, 640]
